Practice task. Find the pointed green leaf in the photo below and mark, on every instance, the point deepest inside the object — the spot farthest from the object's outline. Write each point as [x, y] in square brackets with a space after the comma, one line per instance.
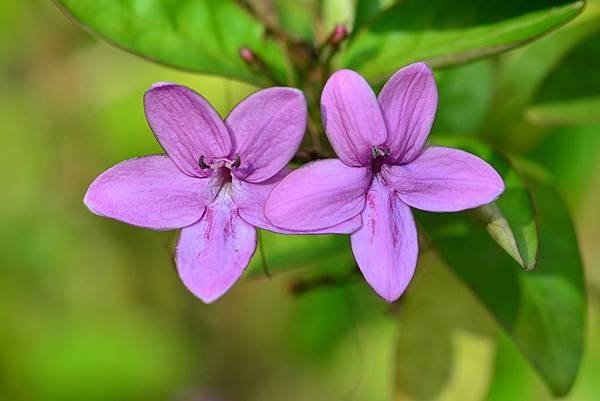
[446, 33]
[498, 226]
[543, 310]
[197, 35]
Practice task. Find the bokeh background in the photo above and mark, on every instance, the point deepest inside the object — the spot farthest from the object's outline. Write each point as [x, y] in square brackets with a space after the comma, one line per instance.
[91, 309]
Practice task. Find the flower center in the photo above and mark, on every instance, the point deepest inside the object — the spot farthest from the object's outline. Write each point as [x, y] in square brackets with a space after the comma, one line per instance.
[221, 166]
[379, 156]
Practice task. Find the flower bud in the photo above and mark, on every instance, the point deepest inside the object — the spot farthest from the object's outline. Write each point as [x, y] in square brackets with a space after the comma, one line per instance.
[247, 55]
[339, 34]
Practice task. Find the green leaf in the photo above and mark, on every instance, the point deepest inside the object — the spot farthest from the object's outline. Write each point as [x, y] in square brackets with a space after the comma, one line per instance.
[445, 336]
[515, 243]
[543, 310]
[511, 379]
[366, 10]
[571, 93]
[289, 252]
[521, 73]
[197, 35]
[567, 112]
[447, 33]
[468, 87]
[557, 154]
[510, 221]
[297, 17]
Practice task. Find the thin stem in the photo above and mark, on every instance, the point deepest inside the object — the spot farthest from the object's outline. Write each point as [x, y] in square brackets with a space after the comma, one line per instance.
[315, 135]
[255, 62]
[263, 255]
[303, 286]
[270, 26]
[308, 155]
[300, 54]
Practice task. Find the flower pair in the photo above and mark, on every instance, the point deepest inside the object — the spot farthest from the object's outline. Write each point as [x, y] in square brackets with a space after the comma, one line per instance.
[221, 179]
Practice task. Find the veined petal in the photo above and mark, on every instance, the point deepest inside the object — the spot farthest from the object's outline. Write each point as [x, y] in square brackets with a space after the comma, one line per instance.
[187, 127]
[386, 246]
[409, 102]
[445, 180]
[318, 195]
[250, 198]
[267, 128]
[352, 118]
[212, 254]
[150, 192]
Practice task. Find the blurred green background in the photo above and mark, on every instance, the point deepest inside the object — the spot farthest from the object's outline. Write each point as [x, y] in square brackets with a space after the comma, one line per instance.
[92, 309]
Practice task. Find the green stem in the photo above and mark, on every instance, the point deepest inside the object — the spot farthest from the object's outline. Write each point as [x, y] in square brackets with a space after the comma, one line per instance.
[263, 255]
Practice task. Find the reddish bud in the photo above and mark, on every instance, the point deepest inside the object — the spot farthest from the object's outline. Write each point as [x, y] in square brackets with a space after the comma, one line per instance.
[339, 34]
[247, 55]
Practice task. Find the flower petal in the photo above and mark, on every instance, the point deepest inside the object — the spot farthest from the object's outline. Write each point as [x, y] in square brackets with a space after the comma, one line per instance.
[250, 198]
[212, 254]
[409, 102]
[150, 192]
[445, 180]
[352, 118]
[186, 126]
[319, 195]
[386, 247]
[267, 128]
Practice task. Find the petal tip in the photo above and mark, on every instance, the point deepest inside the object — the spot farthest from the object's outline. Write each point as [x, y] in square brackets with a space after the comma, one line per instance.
[207, 298]
[292, 91]
[391, 295]
[158, 85]
[89, 200]
[159, 88]
[500, 186]
[419, 67]
[205, 293]
[342, 75]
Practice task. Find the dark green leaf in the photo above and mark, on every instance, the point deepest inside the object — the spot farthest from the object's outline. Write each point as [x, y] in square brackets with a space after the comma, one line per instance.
[521, 73]
[197, 35]
[571, 93]
[543, 310]
[366, 10]
[571, 154]
[446, 33]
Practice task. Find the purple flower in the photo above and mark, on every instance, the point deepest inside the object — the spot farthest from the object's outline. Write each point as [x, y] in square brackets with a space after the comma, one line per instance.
[213, 181]
[383, 169]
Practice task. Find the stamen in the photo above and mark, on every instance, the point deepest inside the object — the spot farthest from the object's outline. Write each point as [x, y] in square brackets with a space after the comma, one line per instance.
[201, 163]
[237, 161]
[377, 152]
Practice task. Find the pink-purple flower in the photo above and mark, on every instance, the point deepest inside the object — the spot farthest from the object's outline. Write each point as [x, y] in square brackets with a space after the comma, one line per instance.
[384, 169]
[213, 181]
